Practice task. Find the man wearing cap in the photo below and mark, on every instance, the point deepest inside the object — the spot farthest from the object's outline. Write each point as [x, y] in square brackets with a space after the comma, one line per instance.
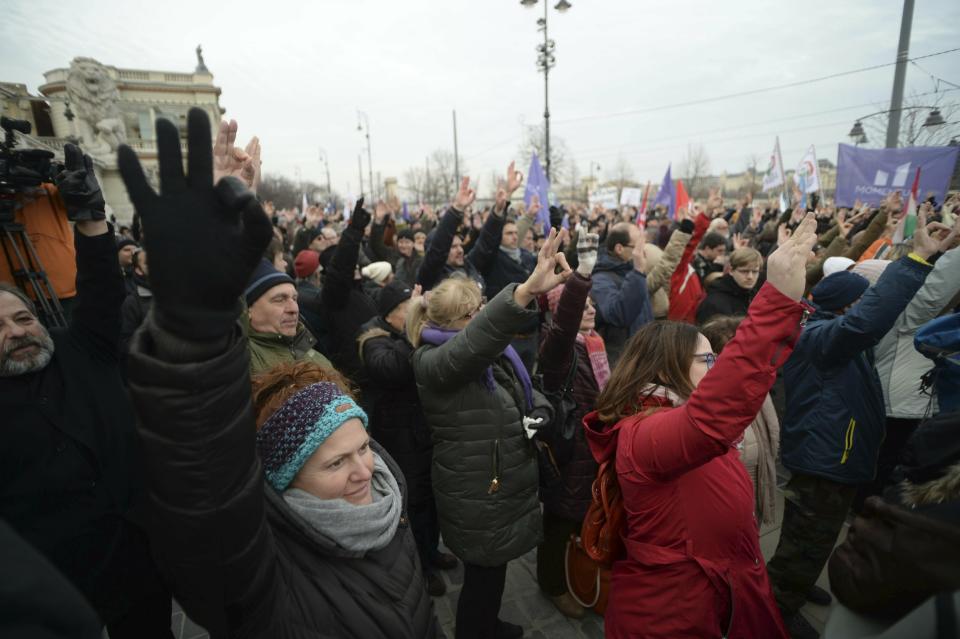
[126, 247]
[404, 259]
[272, 321]
[376, 275]
[398, 423]
[834, 420]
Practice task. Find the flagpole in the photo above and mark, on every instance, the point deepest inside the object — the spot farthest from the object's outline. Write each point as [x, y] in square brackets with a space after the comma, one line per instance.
[783, 171]
[816, 167]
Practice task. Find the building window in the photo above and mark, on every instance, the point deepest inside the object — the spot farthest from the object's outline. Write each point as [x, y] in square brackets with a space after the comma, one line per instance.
[146, 126]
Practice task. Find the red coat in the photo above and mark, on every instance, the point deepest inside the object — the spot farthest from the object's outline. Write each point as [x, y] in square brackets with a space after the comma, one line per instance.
[693, 566]
[686, 291]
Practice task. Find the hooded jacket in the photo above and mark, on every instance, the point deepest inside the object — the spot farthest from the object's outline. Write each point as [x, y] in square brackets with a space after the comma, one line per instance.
[693, 565]
[724, 297]
[478, 436]
[623, 303]
[240, 561]
[834, 421]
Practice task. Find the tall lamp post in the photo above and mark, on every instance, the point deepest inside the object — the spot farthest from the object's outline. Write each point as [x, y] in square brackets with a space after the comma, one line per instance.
[326, 166]
[546, 61]
[363, 122]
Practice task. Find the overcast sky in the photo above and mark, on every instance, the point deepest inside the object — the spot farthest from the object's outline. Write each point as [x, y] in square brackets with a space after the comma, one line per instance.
[295, 73]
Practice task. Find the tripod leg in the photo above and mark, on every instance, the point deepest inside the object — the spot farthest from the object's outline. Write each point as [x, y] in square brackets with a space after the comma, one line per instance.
[25, 272]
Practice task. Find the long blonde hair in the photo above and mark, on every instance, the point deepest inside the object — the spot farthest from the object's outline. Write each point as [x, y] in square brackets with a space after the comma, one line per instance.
[451, 300]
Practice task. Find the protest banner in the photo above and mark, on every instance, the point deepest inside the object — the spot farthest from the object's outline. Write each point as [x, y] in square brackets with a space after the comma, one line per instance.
[869, 175]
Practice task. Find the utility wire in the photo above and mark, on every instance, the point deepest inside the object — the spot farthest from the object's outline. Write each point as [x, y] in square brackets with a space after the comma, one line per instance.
[741, 94]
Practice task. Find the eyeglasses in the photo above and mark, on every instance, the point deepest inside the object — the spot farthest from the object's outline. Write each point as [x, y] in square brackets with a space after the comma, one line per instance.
[707, 358]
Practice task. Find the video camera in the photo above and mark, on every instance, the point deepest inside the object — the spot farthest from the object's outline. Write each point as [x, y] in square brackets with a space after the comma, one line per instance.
[21, 170]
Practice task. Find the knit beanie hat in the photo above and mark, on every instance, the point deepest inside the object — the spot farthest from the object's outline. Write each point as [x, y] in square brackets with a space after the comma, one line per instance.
[377, 271]
[263, 279]
[299, 427]
[392, 295]
[306, 264]
[839, 290]
[836, 264]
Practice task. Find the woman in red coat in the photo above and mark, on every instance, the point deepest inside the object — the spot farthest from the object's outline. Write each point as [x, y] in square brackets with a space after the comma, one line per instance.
[670, 418]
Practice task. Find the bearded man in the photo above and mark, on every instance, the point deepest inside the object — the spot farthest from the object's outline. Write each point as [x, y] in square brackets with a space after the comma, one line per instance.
[69, 480]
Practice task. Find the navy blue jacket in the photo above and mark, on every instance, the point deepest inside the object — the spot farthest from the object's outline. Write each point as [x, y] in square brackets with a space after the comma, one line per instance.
[835, 419]
[623, 304]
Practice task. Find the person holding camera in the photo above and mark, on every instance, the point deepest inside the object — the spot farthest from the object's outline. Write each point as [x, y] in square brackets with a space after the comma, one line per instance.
[69, 481]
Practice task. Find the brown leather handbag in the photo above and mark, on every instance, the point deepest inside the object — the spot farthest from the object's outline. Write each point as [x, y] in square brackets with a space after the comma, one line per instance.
[589, 557]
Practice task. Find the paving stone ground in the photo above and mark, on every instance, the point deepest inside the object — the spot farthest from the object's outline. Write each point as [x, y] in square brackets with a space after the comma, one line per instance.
[524, 604]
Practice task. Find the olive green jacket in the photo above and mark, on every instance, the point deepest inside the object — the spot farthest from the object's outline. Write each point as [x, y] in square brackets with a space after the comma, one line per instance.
[269, 349]
[478, 437]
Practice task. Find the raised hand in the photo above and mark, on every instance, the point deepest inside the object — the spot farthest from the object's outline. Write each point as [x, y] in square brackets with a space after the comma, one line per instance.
[843, 225]
[639, 255]
[545, 276]
[229, 160]
[588, 244]
[360, 217]
[534, 207]
[465, 195]
[79, 188]
[786, 266]
[756, 217]
[923, 245]
[514, 179]
[204, 240]
[714, 203]
[739, 241]
[380, 211]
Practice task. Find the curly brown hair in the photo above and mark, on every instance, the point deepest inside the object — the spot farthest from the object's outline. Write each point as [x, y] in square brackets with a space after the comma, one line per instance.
[276, 385]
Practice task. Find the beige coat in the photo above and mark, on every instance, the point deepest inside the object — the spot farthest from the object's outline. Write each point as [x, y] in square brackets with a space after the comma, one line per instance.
[761, 441]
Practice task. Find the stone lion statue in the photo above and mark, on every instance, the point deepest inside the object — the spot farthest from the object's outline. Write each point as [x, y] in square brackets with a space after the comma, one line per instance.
[94, 95]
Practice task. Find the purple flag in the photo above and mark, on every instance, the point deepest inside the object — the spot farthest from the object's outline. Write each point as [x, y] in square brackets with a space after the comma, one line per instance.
[667, 194]
[537, 185]
[405, 212]
[871, 174]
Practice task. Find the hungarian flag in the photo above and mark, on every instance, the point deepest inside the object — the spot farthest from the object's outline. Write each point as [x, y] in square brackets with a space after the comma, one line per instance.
[906, 229]
[683, 200]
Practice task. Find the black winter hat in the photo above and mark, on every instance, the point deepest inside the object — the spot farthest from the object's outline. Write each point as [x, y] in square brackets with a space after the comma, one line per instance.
[263, 279]
[392, 295]
[125, 241]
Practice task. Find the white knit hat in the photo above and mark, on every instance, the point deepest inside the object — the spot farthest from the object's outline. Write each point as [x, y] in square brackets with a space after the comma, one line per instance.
[377, 271]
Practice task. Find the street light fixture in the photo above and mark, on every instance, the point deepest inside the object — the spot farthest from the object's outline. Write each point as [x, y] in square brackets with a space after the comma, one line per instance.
[364, 121]
[546, 61]
[857, 134]
[933, 122]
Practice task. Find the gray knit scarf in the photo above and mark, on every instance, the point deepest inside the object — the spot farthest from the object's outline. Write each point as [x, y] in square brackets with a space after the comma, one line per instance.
[354, 528]
[514, 253]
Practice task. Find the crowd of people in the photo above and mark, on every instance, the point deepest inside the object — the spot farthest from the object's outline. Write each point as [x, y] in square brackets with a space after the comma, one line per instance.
[275, 416]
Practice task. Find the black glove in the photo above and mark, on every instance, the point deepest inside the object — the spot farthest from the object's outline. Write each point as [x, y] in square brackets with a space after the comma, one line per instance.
[360, 217]
[204, 240]
[78, 186]
[687, 226]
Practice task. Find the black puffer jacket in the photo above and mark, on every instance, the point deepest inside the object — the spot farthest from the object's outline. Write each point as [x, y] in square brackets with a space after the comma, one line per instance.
[345, 307]
[241, 562]
[478, 436]
[396, 416]
[434, 268]
[724, 297]
[572, 496]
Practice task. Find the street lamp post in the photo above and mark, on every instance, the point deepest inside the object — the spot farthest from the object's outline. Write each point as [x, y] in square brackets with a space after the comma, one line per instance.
[364, 122]
[899, 75]
[546, 61]
[326, 166]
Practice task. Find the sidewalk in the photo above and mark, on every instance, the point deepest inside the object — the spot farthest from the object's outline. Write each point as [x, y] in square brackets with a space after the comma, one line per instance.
[524, 604]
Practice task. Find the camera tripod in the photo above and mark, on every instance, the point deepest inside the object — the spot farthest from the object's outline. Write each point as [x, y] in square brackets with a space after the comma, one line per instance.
[28, 271]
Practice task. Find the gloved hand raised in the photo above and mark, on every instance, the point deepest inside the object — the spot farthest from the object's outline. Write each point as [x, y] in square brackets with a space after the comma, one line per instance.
[79, 188]
[203, 240]
[587, 246]
[360, 217]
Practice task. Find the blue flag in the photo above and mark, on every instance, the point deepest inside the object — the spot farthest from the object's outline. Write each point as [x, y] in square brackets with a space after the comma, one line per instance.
[667, 194]
[537, 185]
[405, 212]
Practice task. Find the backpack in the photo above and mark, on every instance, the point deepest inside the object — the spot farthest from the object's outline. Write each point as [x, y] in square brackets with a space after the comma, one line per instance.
[590, 556]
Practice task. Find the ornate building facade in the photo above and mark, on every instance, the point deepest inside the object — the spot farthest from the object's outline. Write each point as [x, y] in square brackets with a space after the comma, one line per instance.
[102, 106]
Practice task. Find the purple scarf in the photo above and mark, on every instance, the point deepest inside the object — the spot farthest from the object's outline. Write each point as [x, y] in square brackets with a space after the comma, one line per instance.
[438, 336]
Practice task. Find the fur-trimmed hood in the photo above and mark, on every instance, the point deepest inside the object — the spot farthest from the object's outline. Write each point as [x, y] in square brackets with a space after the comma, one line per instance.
[937, 491]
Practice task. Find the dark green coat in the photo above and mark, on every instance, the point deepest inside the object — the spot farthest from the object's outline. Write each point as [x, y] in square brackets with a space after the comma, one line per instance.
[478, 435]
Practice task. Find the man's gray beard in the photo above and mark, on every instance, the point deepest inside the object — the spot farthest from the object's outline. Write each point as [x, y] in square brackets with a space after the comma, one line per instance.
[12, 368]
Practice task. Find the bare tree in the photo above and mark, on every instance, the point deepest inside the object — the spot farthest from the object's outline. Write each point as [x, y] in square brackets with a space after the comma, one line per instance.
[534, 142]
[286, 193]
[912, 118]
[621, 174]
[752, 183]
[415, 183]
[442, 176]
[694, 168]
[575, 189]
